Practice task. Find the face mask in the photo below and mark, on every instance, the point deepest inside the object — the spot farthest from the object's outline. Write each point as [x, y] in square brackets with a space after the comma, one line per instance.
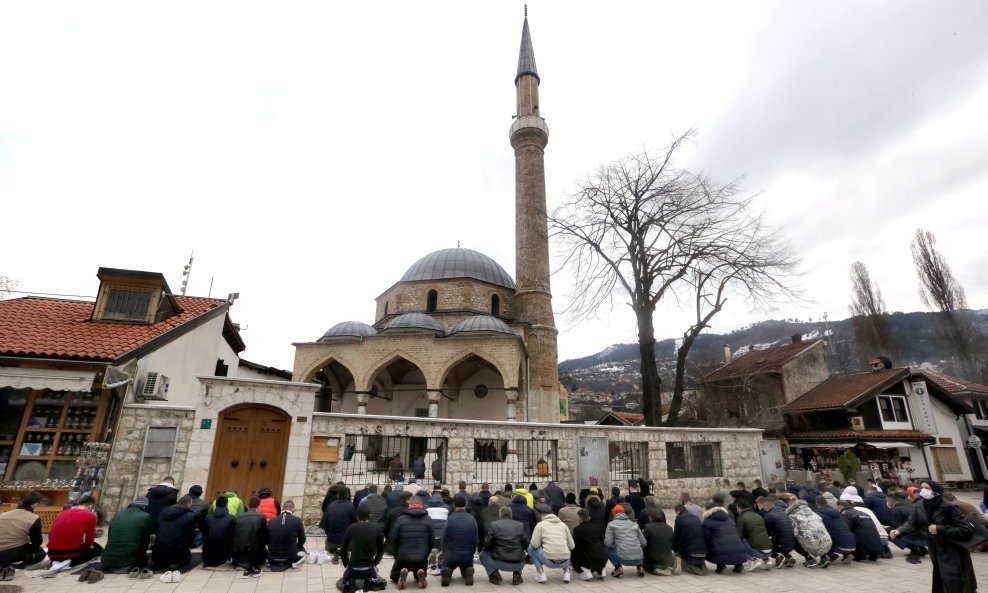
[926, 494]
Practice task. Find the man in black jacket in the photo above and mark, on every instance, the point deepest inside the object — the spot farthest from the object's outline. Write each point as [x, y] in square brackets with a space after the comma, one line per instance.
[486, 519]
[759, 491]
[286, 540]
[457, 543]
[901, 511]
[521, 512]
[556, 497]
[391, 517]
[779, 528]
[411, 538]
[504, 548]
[688, 541]
[176, 532]
[361, 551]
[589, 556]
[160, 498]
[250, 536]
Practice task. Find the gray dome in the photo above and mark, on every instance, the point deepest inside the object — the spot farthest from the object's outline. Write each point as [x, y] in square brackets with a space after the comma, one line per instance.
[458, 262]
[482, 323]
[414, 321]
[349, 328]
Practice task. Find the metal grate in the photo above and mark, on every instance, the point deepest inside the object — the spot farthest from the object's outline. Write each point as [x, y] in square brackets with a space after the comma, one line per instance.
[627, 461]
[693, 460]
[366, 459]
[500, 461]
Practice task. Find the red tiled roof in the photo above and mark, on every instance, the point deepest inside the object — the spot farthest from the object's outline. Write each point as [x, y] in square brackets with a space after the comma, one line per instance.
[755, 362]
[862, 435]
[842, 390]
[53, 328]
[952, 385]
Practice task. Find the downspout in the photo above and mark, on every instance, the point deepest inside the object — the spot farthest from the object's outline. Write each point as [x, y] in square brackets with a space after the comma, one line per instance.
[528, 383]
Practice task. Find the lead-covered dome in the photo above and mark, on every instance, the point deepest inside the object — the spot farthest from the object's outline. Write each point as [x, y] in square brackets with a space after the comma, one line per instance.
[414, 321]
[482, 323]
[348, 328]
[458, 262]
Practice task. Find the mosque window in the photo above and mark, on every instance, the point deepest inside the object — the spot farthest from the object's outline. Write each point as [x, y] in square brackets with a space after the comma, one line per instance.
[480, 391]
[496, 306]
[385, 308]
[431, 301]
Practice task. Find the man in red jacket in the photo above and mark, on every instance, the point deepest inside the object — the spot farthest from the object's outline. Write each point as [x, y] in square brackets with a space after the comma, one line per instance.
[72, 539]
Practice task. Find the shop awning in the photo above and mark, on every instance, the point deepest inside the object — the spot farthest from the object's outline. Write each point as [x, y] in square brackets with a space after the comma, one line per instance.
[822, 445]
[54, 379]
[892, 445]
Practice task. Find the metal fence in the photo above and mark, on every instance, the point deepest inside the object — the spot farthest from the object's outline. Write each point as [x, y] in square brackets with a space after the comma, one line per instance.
[500, 461]
[693, 460]
[368, 459]
[627, 461]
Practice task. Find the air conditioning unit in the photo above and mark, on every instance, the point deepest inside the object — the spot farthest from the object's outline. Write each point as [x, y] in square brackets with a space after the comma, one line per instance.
[155, 387]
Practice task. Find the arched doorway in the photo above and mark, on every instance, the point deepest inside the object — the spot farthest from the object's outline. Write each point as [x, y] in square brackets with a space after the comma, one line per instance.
[250, 451]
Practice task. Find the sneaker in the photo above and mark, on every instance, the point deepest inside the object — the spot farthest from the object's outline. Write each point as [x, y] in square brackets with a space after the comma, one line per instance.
[256, 572]
[176, 576]
[567, 574]
[134, 573]
[516, 578]
[95, 576]
[779, 560]
[750, 565]
[825, 561]
[146, 573]
[540, 577]
[790, 562]
[85, 575]
[434, 571]
[585, 574]
[421, 579]
[247, 573]
[61, 565]
[617, 572]
[811, 563]
[494, 578]
[468, 576]
[447, 574]
[598, 575]
[166, 577]
[914, 559]
[402, 578]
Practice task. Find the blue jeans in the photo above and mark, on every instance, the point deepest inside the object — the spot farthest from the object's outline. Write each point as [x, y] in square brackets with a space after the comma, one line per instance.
[359, 572]
[539, 560]
[491, 565]
[752, 552]
[617, 561]
[905, 542]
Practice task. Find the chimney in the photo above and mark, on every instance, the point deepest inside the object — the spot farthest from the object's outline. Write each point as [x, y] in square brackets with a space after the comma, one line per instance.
[797, 338]
[727, 353]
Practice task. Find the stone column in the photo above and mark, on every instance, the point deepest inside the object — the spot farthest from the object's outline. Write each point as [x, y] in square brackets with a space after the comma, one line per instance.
[512, 405]
[433, 404]
[362, 403]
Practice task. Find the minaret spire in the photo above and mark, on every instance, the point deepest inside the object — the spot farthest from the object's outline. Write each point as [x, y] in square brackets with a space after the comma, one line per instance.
[526, 55]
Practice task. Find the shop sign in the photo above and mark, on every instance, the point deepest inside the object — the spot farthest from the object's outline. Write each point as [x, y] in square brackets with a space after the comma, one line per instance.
[974, 441]
[922, 409]
[857, 422]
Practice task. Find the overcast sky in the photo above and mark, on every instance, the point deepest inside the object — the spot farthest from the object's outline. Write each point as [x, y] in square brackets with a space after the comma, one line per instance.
[310, 152]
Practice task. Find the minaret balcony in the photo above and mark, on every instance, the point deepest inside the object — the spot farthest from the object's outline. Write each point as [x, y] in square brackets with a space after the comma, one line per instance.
[527, 125]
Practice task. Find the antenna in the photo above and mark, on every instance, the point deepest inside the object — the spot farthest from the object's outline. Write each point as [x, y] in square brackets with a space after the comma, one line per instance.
[186, 272]
[526, 10]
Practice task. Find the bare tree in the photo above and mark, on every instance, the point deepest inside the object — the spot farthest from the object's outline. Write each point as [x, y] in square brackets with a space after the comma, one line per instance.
[643, 228]
[7, 286]
[941, 292]
[868, 311]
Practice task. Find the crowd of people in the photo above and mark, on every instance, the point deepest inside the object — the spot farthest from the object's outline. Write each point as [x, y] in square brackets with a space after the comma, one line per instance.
[436, 532]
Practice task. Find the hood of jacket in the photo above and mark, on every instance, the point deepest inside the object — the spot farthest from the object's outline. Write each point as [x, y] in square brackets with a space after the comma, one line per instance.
[221, 512]
[161, 491]
[828, 511]
[435, 501]
[780, 505]
[551, 518]
[173, 513]
[415, 511]
[520, 499]
[715, 513]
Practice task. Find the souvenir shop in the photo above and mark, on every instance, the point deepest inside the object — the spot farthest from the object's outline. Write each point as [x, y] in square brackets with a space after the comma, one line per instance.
[884, 461]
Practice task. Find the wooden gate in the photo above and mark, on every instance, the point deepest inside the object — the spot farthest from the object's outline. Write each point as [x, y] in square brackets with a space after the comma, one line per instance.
[250, 451]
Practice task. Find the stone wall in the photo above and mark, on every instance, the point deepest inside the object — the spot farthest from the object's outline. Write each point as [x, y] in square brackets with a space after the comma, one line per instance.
[122, 482]
[453, 294]
[739, 450]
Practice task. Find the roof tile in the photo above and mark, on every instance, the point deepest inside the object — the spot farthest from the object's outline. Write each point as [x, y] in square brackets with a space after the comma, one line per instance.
[841, 390]
[755, 362]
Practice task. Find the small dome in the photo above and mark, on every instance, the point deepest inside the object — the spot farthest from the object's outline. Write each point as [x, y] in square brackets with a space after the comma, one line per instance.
[458, 262]
[349, 328]
[414, 321]
[482, 323]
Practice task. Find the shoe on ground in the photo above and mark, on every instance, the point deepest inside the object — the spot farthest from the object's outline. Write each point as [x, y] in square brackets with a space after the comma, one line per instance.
[134, 573]
[779, 560]
[768, 564]
[447, 574]
[516, 578]
[598, 575]
[468, 576]
[738, 568]
[585, 574]
[402, 578]
[641, 570]
[914, 559]
[421, 579]
[85, 575]
[166, 577]
[247, 573]
[434, 571]
[811, 563]
[494, 578]
[540, 577]
[95, 576]
[790, 562]
[847, 559]
[146, 573]
[825, 562]
[567, 574]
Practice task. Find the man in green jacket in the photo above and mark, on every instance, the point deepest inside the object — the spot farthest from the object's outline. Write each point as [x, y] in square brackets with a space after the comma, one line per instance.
[751, 528]
[130, 533]
[234, 504]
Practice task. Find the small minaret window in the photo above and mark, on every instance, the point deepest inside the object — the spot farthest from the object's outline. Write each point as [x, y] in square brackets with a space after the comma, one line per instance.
[495, 306]
[431, 300]
[385, 308]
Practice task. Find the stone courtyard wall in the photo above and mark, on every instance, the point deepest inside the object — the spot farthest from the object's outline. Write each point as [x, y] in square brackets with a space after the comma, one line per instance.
[738, 447]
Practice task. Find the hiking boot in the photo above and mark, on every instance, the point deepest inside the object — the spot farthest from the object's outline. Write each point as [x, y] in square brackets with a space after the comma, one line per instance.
[468, 576]
[516, 578]
[447, 574]
[421, 579]
[402, 578]
[495, 578]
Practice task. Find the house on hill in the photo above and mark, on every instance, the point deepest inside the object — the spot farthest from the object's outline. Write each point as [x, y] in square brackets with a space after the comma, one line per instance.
[750, 389]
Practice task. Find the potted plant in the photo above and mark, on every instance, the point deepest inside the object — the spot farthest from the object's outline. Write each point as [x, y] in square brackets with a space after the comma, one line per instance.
[848, 465]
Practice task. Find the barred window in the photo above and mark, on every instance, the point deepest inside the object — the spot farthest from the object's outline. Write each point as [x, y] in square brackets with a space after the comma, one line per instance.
[627, 461]
[500, 461]
[693, 460]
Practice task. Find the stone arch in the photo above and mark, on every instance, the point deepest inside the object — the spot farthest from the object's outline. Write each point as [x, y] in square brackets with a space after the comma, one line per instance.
[461, 356]
[367, 380]
[314, 368]
[476, 387]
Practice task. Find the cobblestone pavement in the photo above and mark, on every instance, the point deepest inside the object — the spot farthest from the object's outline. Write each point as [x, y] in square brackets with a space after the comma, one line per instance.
[894, 574]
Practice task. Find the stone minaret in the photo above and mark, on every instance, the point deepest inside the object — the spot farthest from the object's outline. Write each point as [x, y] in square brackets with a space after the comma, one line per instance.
[533, 298]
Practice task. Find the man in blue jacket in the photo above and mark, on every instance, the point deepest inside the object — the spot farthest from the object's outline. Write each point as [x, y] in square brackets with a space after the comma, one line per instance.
[459, 541]
[689, 543]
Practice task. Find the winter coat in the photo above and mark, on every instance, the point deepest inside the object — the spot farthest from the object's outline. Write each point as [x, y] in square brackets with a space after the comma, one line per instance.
[522, 513]
[439, 514]
[377, 506]
[554, 537]
[953, 571]
[529, 499]
[588, 548]
[269, 508]
[541, 509]
[878, 503]
[810, 531]
[250, 532]
[412, 536]
[687, 537]
[507, 540]
[624, 537]
[418, 468]
[878, 524]
[286, 537]
[233, 503]
[337, 518]
[389, 522]
[840, 533]
[901, 515]
[394, 496]
[200, 507]
[160, 498]
[598, 516]
[724, 545]
[460, 539]
[863, 528]
[658, 546]
[176, 528]
[127, 542]
[218, 537]
[555, 496]
[363, 545]
[780, 528]
[569, 515]
[485, 519]
[637, 502]
[751, 527]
